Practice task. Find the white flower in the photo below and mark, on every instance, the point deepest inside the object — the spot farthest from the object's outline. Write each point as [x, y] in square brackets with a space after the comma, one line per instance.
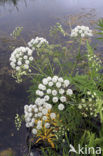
[52, 115]
[30, 114]
[63, 99]
[39, 122]
[19, 63]
[39, 114]
[47, 125]
[89, 93]
[50, 83]
[17, 68]
[37, 93]
[29, 109]
[82, 31]
[42, 87]
[45, 81]
[69, 92]
[17, 55]
[49, 91]
[33, 120]
[27, 62]
[28, 119]
[31, 58]
[36, 110]
[34, 131]
[34, 106]
[13, 60]
[31, 124]
[13, 65]
[48, 106]
[27, 125]
[82, 35]
[46, 97]
[54, 79]
[44, 111]
[39, 127]
[58, 84]
[25, 57]
[40, 108]
[49, 78]
[26, 107]
[61, 91]
[41, 93]
[37, 42]
[29, 52]
[66, 83]
[38, 99]
[54, 92]
[61, 107]
[55, 99]
[60, 79]
[44, 118]
[26, 66]
[36, 115]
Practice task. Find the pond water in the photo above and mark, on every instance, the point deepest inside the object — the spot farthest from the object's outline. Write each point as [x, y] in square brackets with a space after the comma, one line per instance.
[36, 16]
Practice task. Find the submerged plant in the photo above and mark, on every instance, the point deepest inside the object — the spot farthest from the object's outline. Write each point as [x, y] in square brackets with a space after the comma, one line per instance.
[16, 33]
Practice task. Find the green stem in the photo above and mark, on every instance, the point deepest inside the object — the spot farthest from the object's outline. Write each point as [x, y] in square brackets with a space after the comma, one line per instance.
[38, 68]
[61, 69]
[51, 67]
[78, 56]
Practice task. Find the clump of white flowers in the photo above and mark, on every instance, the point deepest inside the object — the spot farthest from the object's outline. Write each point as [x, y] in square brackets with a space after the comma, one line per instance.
[88, 104]
[20, 60]
[36, 115]
[37, 42]
[81, 31]
[94, 61]
[55, 90]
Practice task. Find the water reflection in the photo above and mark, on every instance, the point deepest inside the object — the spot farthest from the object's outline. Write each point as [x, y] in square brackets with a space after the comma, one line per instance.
[14, 2]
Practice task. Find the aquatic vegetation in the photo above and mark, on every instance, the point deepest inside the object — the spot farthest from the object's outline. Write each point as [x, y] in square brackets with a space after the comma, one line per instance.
[18, 121]
[66, 107]
[16, 33]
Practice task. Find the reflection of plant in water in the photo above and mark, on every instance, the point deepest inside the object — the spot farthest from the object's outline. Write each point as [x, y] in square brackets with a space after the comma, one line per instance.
[66, 105]
[9, 1]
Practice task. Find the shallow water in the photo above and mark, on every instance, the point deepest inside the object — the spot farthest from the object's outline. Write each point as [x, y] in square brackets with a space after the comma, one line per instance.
[36, 16]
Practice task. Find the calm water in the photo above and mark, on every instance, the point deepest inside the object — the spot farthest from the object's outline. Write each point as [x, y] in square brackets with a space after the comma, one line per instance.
[36, 16]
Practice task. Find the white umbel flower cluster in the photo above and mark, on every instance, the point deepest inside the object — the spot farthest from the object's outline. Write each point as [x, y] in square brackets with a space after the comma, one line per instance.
[36, 115]
[81, 31]
[20, 59]
[56, 90]
[37, 42]
[88, 104]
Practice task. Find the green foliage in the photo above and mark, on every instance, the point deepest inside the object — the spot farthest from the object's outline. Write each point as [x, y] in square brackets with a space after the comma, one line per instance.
[57, 28]
[16, 33]
[53, 59]
[100, 28]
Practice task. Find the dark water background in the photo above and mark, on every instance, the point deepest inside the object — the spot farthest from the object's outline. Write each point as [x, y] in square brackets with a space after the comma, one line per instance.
[36, 16]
